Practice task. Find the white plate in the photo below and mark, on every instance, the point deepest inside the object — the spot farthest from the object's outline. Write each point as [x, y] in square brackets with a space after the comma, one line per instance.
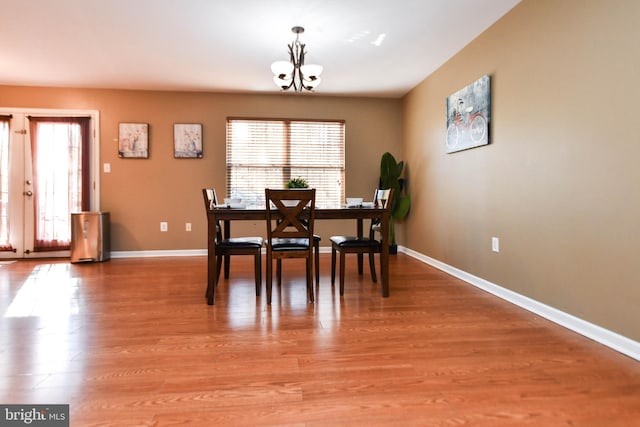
[232, 206]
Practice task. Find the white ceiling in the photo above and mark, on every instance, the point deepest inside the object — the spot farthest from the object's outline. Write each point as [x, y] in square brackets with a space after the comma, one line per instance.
[228, 46]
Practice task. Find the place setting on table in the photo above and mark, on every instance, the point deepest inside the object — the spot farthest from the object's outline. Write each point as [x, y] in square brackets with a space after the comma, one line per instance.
[232, 203]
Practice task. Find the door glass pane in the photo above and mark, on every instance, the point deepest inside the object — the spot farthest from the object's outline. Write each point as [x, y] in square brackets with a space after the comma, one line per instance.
[4, 184]
[57, 182]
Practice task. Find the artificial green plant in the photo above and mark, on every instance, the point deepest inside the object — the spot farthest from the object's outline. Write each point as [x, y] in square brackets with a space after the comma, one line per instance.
[390, 173]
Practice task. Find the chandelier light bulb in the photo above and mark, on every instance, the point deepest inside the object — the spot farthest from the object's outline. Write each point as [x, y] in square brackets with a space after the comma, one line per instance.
[312, 84]
[282, 68]
[311, 71]
[284, 84]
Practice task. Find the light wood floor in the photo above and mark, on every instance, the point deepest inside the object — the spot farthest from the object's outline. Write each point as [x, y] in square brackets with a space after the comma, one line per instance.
[132, 342]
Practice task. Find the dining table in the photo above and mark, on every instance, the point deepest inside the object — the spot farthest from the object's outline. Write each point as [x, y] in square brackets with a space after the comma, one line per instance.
[224, 215]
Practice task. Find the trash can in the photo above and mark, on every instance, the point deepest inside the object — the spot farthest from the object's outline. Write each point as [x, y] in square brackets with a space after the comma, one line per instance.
[90, 237]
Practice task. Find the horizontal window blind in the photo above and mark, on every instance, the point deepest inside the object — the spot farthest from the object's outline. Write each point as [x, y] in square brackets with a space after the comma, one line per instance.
[267, 153]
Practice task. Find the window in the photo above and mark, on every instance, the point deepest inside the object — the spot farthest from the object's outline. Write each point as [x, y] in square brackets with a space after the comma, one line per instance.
[267, 153]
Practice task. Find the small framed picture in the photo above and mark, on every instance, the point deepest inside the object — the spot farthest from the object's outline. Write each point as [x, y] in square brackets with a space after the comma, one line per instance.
[133, 140]
[187, 141]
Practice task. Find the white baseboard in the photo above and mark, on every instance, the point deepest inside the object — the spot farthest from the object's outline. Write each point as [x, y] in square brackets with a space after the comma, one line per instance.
[601, 335]
[164, 253]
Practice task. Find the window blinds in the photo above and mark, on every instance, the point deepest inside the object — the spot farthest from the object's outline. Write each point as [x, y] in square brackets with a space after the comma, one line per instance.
[267, 153]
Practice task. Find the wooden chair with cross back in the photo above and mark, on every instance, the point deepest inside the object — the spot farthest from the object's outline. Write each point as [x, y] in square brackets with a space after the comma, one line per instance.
[290, 222]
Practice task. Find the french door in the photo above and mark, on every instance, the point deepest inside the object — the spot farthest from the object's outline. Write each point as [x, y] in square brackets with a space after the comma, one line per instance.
[48, 160]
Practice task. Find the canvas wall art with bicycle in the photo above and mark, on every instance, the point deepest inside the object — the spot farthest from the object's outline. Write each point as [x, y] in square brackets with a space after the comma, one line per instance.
[468, 116]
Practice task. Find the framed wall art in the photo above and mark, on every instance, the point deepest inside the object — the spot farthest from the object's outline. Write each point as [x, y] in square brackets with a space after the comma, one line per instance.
[133, 140]
[469, 115]
[187, 141]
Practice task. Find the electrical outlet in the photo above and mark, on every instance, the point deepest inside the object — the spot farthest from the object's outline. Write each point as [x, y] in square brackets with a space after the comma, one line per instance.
[164, 226]
[187, 226]
[495, 244]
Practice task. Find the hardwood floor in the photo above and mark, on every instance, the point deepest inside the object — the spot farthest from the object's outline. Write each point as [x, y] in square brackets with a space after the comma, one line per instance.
[132, 342]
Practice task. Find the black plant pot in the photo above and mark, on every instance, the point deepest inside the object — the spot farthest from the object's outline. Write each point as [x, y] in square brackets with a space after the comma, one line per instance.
[393, 249]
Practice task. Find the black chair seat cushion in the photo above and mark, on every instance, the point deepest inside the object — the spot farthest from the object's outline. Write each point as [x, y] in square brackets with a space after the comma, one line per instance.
[354, 242]
[290, 244]
[242, 242]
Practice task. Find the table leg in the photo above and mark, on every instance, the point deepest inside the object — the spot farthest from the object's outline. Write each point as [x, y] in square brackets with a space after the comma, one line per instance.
[384, 254]
[360, 235]
[226, 235]
[212, 273]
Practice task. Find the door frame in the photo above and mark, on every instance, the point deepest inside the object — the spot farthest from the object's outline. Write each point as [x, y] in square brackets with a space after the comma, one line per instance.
[94, 153]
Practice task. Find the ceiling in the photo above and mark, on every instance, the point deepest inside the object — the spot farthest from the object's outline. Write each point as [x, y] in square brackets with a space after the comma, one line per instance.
[380, 48]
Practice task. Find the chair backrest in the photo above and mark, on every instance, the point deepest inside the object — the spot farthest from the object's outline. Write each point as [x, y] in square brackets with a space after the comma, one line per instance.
[290, 213]
[210, 198]
[381, 199]
[210, 202]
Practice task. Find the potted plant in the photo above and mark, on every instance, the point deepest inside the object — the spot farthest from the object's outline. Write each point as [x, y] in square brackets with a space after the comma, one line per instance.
[390, 172]
[297, 183]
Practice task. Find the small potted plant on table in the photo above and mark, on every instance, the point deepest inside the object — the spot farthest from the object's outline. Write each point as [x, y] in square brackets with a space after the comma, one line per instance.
[297, 183]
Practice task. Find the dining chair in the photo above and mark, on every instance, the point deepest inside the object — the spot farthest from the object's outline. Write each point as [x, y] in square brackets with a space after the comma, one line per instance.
[290, 222]
[360, 245]
[226, 247]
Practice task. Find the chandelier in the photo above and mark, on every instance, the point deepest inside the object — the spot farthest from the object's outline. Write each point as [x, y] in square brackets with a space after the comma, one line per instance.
[294, 73]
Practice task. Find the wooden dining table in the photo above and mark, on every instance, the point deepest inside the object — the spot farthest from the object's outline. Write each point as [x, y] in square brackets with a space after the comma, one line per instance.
[226, 215]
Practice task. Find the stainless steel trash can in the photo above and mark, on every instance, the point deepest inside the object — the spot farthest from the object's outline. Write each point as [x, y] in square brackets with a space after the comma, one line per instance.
[90, 237]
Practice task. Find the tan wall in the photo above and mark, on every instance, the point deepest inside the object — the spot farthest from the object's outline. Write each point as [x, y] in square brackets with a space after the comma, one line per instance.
[559, 184]
[140, 193]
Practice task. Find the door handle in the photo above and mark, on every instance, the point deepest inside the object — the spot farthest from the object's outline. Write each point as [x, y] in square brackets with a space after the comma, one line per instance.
[28, 193]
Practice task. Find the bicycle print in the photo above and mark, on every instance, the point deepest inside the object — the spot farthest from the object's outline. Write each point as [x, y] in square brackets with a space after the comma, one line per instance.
[468, 116]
